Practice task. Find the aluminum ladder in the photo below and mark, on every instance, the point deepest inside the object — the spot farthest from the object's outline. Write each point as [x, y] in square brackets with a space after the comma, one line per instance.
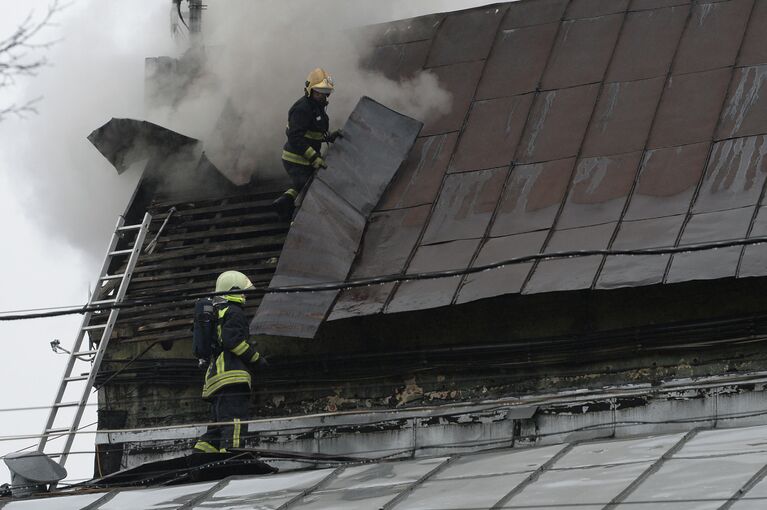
[83, 364]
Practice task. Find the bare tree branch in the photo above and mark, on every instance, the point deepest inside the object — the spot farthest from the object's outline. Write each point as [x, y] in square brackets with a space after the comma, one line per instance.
[20, 55]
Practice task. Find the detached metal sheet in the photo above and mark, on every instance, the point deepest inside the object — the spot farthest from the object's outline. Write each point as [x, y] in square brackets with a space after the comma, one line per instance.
[327, 230]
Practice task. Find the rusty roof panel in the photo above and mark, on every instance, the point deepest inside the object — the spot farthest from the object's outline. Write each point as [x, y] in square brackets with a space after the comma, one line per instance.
[398, 61]
[647, 44]
[517, 61]
[532, 197]
[465, 206]
[735, 175]
[408, 30]
[709, 227]
[713, 36]
[639, 5]
[533, 12]
[754, 50]
[503, 280]
[599, 191]
[466, 36]
[492, 133]
[662, 192]
[360, 301]
[745, 112]
[390, 237]
[418, 181]
[689, 109]
[755, 257]
[575, 273]
[594, 8]
[557, 125]
[582, 52]
[623, 117]
[433, 293]
[460, 80]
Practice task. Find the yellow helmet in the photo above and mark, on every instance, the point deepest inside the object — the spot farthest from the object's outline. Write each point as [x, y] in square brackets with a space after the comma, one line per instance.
[319, 80]
[233, 280]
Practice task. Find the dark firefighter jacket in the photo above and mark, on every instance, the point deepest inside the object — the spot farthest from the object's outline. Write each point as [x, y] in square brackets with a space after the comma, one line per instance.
[230, 364]
[308, 126]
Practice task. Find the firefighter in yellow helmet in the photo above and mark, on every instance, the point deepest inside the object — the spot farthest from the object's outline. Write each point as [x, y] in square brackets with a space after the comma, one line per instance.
[227, 379]
[308, 126]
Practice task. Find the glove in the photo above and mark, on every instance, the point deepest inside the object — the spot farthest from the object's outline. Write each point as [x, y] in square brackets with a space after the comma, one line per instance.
[318, 163]
[331, 138]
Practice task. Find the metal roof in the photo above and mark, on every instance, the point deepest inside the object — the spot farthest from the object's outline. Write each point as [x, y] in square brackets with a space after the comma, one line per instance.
[575, 125]
[701, 469]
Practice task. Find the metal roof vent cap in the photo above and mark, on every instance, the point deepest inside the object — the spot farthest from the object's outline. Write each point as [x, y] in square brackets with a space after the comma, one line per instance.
[31, 472]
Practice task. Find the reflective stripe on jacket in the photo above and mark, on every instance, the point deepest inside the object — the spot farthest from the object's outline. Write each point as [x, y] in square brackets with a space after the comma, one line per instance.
[308, 125]
[230, 366]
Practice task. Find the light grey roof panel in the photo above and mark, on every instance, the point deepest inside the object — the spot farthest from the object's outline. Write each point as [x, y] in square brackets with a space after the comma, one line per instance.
[166, 498]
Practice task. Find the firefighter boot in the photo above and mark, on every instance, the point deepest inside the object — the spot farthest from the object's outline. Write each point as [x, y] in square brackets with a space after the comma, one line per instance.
[285, 205]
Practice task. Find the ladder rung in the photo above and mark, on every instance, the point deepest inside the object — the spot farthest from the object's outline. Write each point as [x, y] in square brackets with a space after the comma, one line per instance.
[103, 301]
[112, 277]
[97, 326]
[56, 431]
[120, 252]
[76, 378]
[84, 353]
[66, 404]
[129, 227]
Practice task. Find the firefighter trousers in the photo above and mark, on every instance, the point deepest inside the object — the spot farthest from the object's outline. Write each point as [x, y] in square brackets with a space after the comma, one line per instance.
[229, 404]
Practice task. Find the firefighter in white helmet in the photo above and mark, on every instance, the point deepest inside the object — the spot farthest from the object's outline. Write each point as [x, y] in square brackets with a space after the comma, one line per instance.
[227, 379]
[308, 126]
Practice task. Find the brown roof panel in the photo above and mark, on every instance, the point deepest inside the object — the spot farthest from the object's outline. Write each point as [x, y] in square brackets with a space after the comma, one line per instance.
[689, 110]
[517, 61]
[460, 80]
[573, 273]
[433, 293]
[398, 61]
[418, 181]
[390, 237]
[745, 112]
[465, 205]
[582, 51]
[638, 5]
[557, 125]
[285, 315]
[754, 49]
[623, 117]
[599, 190]
[713, 36]
[594, 8]
[407, 30]
[631, 270]
[532, 197]
[647, 44]
[492, 133]
[662, 192]
[466, 36]
[503, 280]
[735, 175]
[525, 13]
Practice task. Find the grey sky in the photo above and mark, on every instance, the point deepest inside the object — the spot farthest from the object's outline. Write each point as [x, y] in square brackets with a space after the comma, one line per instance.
[59, 199]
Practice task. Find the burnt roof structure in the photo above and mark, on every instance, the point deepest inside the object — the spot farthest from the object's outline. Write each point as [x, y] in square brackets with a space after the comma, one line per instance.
[575, 125]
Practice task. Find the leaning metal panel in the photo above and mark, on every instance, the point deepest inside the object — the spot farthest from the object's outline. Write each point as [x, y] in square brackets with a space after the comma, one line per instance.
[327, 230]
